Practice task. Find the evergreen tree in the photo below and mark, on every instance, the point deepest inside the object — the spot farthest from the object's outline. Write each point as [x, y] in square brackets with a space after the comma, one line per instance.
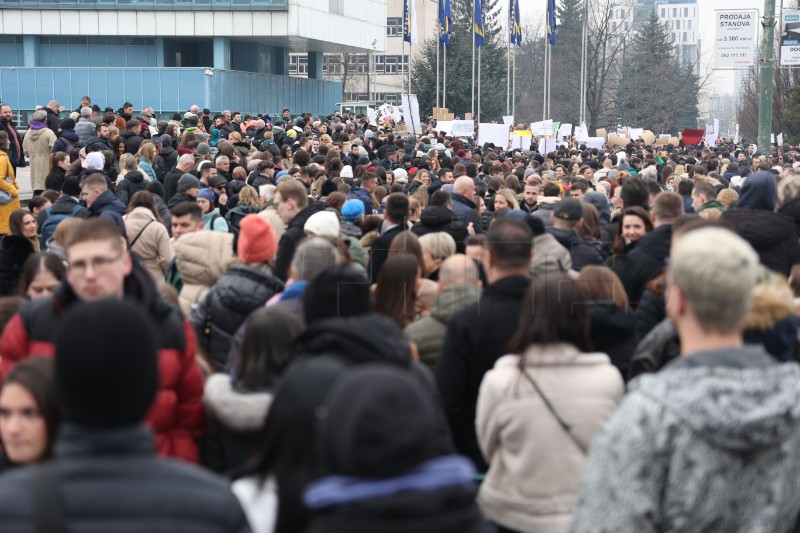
[565, 75]
[660, 93]
[459, 64]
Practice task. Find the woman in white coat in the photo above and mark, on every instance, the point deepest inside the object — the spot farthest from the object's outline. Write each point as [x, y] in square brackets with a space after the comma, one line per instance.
[539, 408]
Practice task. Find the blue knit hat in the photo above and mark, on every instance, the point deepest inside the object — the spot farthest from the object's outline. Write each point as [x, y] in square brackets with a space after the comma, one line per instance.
[352, 209]
[207, 194]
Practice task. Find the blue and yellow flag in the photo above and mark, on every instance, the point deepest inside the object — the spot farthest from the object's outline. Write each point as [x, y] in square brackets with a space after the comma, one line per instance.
[445, 21]
[513, 23]
[409, 22]
[551, 21]
[480, 20]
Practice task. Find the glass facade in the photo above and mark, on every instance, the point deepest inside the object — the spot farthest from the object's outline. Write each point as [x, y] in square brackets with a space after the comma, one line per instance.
[150, 5]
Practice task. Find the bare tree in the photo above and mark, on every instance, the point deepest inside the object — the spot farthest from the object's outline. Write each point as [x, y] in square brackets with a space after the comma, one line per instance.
[349, 69]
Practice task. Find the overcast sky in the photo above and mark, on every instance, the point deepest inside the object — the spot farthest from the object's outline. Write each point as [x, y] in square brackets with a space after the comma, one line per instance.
[722, 80]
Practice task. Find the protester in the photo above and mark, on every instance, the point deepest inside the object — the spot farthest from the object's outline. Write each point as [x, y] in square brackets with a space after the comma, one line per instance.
[15, 248]
[679, 412]
[29, 414]
[101, 267]
[102, 452]
[147, 235]
[41, 276]
[539, 408]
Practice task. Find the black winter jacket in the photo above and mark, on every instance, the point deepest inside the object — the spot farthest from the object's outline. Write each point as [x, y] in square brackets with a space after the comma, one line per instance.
[436, 218]
[792, 210]
[241, 290]
[773, 236]
[584, 251]
[613, 331]
[476, 338]
[14, 250]
[132, 183]
[111, 480]
[294, 233]
[107, 206]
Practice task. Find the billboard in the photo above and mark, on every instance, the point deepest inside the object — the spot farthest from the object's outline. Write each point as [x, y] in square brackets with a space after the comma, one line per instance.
[735, 40]
[790, 38]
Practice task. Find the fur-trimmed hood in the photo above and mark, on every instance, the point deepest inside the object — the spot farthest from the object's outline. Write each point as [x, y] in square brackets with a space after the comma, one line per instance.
[772, 302]
[239, 411]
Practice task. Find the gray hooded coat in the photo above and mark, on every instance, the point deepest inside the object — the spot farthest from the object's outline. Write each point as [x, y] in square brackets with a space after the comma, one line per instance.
[707, 444]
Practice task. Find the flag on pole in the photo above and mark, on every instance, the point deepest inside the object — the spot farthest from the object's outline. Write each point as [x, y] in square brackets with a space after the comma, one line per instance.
[513, 23]
[445, 20]
[551, 21]
[410, 22]
[480, 19]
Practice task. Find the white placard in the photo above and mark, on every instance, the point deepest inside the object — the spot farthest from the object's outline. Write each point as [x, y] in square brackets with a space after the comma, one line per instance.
[373, 116]
[388, 112]
[711, 139]
[411, 113]
[547, 145]
[716, 126]
[508, 120]
[463, 128]
[445, 125]
[635, 133]
[564, 131]
[542, 128]
[519, 142]
[772, 138]
[595, 142]
[735, 39]
[496, 134]
[780, 139]
[790, 37]
[581, 134]
[736, 135]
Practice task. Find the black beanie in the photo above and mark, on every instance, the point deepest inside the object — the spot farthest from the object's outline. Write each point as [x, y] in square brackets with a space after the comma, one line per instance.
[337, 291]
[378, 423]
[106, 364]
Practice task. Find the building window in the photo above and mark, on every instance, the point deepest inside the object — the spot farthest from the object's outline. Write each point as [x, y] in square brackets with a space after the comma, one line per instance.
[685, 11]
[390, 64]
[689, 24]
[684, 37]
[674, 11]
[357, 64]
[663, 14]
[394, 26]
[331, 64]
[389, 98]
[298, 65]
[622, 13]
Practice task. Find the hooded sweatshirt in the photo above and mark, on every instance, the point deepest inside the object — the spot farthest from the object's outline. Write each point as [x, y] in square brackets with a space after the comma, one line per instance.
[707, 444]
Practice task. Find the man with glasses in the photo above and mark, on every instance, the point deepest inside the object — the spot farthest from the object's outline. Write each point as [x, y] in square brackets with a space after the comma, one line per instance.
[100, 267]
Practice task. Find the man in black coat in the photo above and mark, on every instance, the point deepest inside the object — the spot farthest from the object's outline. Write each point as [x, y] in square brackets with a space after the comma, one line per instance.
[439, 216]
[394, 222]
[53, 119]
[477, 336]
[15, 153]
[105, 475]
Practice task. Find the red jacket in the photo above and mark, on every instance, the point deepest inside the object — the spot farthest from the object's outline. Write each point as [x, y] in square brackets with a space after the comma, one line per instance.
[177, 415]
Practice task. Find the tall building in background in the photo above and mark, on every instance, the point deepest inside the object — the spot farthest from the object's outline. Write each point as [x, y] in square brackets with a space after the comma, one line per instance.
[377, 74]
[170, 54]
[681, 17]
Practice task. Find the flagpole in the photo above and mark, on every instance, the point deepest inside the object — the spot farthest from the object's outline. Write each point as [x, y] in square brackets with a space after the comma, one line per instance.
[473, 59]
[513, 83]
[438, 46]
[479, 84]
[544, 77]
[444, 80]
[508, 59]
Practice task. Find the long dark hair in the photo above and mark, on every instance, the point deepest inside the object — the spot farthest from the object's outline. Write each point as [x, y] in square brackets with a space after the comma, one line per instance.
[144, 199]
[396, 289]
[49, 261]
[619, 241]
[287, 450]
[267, 348]
[553, 311]
[35, 375]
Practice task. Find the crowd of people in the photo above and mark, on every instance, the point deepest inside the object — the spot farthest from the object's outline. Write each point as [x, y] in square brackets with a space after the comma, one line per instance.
[218, 322]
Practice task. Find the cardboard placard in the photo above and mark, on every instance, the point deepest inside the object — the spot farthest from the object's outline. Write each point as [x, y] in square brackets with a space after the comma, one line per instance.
[613, 139]
[601, 133]
[450, 116]
[648, 137]
[467, 116]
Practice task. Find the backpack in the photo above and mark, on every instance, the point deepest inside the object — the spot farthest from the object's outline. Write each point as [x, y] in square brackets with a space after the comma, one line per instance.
[55, 214]
[72, 149]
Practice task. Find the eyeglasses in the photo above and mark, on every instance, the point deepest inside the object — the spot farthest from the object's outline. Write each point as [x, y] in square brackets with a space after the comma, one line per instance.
[98, 264]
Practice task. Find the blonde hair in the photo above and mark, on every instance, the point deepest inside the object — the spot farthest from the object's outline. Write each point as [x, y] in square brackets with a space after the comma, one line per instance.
[510, 197]
[147, 151]
[788, 190]
[727, 196]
